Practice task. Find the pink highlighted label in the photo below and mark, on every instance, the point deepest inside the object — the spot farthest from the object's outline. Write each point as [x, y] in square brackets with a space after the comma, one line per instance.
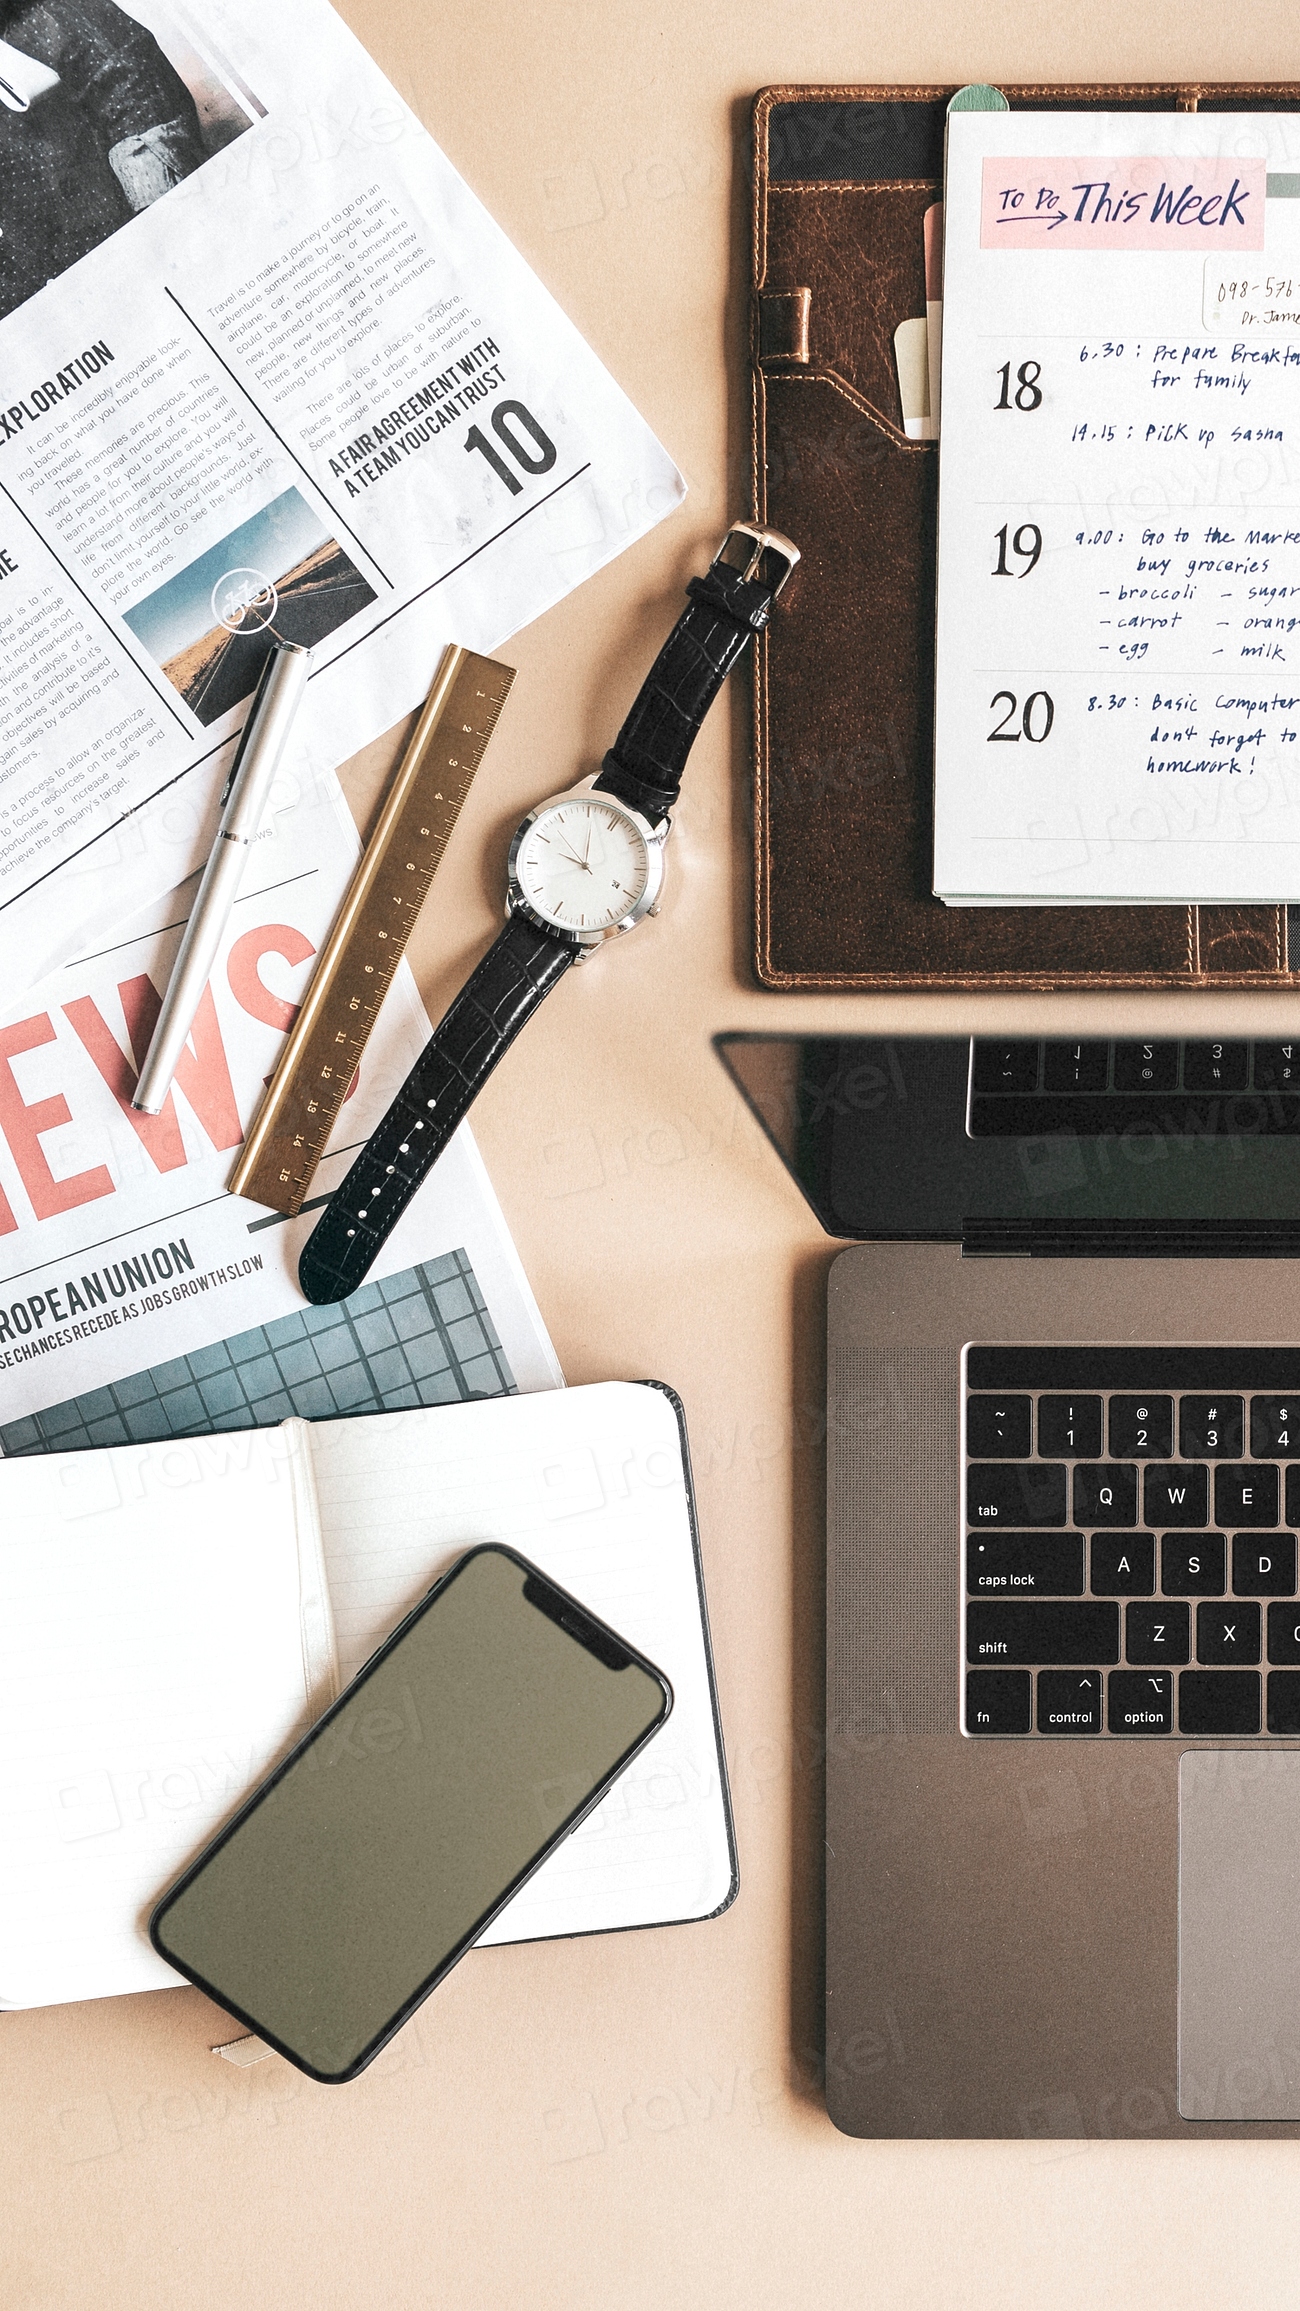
[1123, 204]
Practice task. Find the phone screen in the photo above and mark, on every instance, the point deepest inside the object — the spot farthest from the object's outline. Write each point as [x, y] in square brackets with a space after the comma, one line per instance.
[490, 1722]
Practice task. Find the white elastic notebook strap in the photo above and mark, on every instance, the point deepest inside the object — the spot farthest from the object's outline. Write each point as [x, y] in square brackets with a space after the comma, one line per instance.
[320, 1665]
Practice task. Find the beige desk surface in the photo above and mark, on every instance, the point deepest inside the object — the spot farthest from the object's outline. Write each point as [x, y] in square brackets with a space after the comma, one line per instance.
[635, 2121]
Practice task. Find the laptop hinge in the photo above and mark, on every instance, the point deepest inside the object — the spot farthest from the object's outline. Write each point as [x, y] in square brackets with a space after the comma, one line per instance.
[1066, 1239]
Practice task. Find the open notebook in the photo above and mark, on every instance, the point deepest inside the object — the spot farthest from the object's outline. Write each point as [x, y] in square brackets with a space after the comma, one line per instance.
[173, 1615]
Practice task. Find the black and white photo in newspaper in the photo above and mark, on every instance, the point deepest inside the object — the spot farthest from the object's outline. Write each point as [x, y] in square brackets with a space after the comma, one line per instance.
[268, 370]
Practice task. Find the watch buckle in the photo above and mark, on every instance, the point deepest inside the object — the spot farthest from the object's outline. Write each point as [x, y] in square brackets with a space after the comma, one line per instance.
[757, 545]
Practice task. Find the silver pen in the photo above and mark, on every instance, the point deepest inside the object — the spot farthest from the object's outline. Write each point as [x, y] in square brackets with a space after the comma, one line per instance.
[275, 702]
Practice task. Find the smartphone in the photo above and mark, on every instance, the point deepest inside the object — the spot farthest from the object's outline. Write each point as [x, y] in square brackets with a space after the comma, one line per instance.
[479, 1735]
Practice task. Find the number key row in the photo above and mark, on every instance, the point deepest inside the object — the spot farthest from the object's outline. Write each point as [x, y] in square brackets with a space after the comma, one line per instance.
[1139, 1427]
[1095, 1066]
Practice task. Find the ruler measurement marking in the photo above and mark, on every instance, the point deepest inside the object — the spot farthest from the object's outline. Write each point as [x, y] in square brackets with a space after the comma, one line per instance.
[326, 1044]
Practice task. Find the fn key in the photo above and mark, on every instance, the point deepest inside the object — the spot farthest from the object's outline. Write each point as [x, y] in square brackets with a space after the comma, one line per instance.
[998, 1701]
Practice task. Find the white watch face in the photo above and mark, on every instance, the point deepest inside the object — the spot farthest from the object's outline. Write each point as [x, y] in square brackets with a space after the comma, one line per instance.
[583, 865]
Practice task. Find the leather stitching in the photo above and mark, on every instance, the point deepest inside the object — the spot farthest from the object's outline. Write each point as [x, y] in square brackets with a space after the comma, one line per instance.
[820, 185]
[838, 384]
[1025, 92]
[762, 752]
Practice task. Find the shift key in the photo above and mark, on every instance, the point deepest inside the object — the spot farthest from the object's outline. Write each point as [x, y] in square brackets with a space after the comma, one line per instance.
[1024, 1564]
[1025, 1632]
[1012, 1493]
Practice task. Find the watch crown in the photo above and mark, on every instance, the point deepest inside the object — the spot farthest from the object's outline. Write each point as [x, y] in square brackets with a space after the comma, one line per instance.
[653, 910]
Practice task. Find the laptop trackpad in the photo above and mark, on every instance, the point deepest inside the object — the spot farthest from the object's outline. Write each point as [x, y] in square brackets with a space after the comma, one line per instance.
[1239, 1934]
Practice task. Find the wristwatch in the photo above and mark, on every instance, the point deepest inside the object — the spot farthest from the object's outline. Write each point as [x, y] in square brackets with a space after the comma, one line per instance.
[584, 867]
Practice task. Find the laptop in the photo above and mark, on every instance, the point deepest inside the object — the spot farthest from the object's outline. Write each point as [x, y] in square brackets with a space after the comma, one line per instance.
[1063, 1599]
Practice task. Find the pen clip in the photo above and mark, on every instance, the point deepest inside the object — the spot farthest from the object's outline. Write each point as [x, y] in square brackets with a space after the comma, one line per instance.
[274, 656]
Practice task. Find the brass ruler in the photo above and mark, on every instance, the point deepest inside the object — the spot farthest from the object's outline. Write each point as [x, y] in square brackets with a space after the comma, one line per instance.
[328, 1037]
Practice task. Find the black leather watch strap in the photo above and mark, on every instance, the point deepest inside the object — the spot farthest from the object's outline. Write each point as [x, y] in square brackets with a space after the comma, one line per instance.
[644, 765]
[516, 972]
[643, 768]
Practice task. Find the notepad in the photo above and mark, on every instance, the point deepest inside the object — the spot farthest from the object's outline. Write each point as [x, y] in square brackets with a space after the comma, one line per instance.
[173, 1616]
[1118, 636]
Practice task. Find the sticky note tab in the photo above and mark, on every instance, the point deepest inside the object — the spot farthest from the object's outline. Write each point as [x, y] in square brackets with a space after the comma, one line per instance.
[911, 352]
[978, 96]
[1110, 203]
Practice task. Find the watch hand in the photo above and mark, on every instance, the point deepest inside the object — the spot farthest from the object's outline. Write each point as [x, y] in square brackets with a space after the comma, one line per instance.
[580, 862]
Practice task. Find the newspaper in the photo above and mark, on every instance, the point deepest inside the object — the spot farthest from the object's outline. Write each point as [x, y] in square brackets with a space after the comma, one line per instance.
[269, 370]
[137, 1298]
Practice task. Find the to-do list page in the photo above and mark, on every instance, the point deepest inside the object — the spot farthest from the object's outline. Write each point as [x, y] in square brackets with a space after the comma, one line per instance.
[1118, 663]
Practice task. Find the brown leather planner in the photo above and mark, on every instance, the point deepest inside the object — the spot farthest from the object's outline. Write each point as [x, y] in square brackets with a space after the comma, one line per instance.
[844, 677]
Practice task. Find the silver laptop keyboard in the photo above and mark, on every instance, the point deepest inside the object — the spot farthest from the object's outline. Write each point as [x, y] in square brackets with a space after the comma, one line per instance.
[1130, 1558]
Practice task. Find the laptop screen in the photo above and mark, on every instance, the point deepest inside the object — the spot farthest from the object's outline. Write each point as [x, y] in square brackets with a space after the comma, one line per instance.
[1054, 1145]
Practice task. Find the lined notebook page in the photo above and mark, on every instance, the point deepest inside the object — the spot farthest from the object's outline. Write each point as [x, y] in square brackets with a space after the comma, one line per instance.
[587, 1483]
[152, 1665]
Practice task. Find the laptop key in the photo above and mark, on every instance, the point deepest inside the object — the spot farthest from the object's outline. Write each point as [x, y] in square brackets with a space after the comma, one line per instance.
[1246, 1496]
[1215, 1066]
[1140, 1701]
[1146, 1066]
[1193, 1568]
[1075, 1066]
[1142, 1427]
[1123, 1568]
[999, 1701]
[1284, 1633]
[1017, 1630]
[1218, 1701]
[1069, 1702]
[1277, 1067]
[1293, 1496]
[1274, 1426]
[1284, 1701]
[999, 1427]
[1209, 1428]
[1227, 1633]
[1174, 1494]
[1011, 1493]
[1024, 1564]
[1070, 1426]
[1105, 1494]
[1263, 1565]
[1005, 1066]
[1158, 1633]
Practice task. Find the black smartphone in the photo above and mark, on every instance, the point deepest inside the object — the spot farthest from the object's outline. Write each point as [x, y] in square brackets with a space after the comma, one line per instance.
[479, 1735]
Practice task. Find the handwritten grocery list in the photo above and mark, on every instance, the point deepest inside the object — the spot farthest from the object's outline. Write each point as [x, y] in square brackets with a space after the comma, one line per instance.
[1118, 684]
